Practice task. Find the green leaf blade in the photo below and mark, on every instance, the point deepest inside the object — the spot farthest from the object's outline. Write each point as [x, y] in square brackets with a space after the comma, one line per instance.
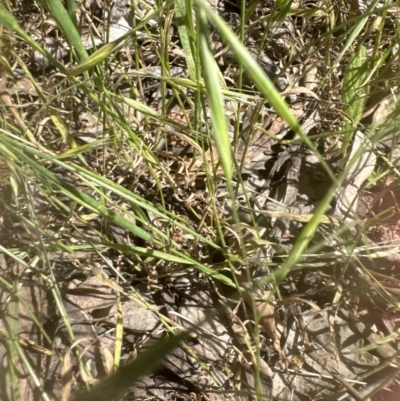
[354, 93]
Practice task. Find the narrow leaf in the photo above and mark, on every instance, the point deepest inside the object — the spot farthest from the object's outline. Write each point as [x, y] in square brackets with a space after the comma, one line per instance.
[184, 22]
[213, 86]
[67, 27]
[354, 93]
[263, 83]
[7, 19]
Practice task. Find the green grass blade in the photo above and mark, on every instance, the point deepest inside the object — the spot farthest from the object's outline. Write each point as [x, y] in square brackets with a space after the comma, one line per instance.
[67, 27]
[183, 9]
[70, 6]
[209, 271]
[350, 41]
[210, 73]
[305, 237]
[108, 49]
[354, 93]
[263, 83]
[7, 19]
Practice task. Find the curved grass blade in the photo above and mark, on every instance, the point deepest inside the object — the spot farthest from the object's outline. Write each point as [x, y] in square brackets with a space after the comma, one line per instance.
[210, 73]
[108, 49]
[7, 19]
[67, 27]
[263, 83]
[270, 92]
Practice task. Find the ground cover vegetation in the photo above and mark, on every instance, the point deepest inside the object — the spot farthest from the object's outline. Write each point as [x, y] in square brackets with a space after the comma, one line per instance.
[199, 200]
